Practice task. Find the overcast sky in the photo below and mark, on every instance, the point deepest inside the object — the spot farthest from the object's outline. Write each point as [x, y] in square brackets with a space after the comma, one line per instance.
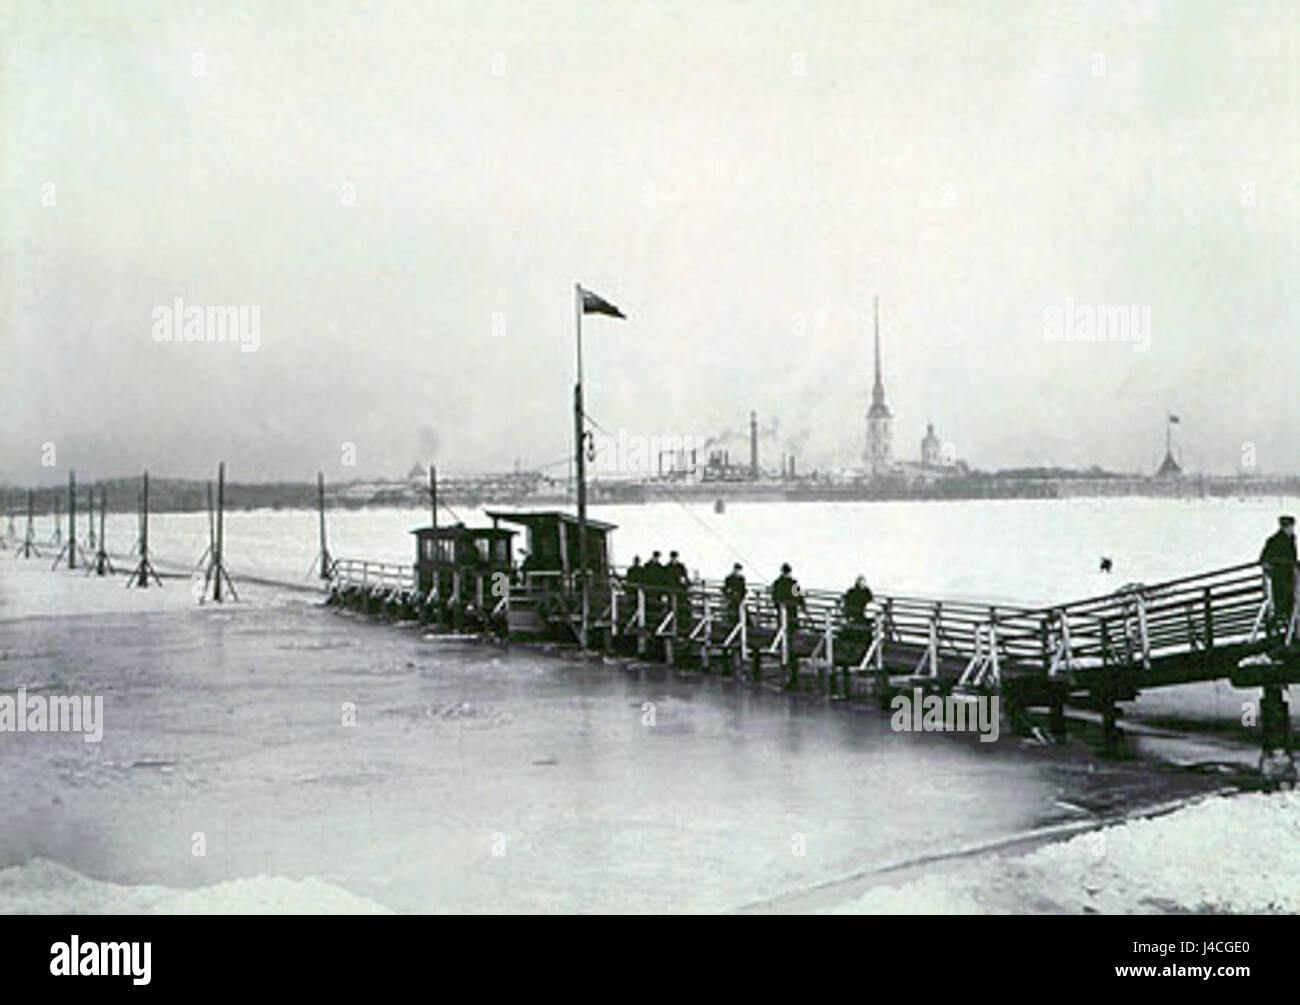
[407, 193]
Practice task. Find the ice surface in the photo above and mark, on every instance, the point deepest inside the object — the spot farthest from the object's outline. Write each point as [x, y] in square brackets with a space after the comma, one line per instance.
[478, 779]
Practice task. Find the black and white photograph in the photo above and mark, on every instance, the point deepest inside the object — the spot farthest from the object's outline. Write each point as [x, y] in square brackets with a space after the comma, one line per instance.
[504, 457]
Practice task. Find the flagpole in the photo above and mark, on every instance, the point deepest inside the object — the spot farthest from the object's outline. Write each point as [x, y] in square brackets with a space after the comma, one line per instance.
[580, 470]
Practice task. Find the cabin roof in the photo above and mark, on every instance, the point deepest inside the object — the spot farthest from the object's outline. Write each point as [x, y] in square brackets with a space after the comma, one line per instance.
[460, 530]
[530, 517]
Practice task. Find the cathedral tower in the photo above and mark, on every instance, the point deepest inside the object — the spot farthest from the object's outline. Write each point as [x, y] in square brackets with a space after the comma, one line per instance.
[878, 456]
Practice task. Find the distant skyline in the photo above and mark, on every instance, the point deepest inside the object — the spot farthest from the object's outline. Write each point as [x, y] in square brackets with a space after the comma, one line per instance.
[408, 195]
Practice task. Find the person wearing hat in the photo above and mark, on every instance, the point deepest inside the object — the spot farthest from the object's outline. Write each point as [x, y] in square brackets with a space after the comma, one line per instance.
[635, 573]
[857, 626]
[678, 581]
[786, 596]
[653, 579]
[1279, 559]
[733, 592]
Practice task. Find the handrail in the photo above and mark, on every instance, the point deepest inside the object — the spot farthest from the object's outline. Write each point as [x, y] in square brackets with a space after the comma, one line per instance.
[1137, 623]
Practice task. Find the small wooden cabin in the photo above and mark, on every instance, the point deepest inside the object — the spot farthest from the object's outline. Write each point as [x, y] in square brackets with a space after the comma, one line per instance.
[553, 545]
[460, 556]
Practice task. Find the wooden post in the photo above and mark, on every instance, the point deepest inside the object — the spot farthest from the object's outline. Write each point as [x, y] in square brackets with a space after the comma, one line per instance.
[103, 564]
[72, 519]
[144, 530]
[142, 572]
[324, 549]
[29, 539]
[90, 517]
[217, 552]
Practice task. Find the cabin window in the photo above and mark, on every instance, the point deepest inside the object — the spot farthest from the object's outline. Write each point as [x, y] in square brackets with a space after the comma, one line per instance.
[502, 550]
[482, 547]
[427, 544]
[445, 552]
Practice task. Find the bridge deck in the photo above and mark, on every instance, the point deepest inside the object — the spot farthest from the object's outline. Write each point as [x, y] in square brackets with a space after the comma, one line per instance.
[1194, 628]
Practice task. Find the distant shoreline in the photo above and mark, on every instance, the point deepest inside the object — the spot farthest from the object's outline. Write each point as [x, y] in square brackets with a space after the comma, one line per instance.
[174, 495]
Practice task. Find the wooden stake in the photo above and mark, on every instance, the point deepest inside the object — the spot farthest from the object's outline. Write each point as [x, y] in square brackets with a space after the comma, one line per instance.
[140, 575]
[324, 556]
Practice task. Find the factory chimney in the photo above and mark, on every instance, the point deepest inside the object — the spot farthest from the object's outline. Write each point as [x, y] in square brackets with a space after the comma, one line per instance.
[753, 445]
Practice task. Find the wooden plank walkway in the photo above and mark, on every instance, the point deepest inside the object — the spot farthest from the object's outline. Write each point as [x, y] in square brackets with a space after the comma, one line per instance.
[1190, 629]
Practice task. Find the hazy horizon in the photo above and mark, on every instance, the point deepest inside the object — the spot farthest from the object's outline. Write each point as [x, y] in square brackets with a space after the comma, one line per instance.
[408, 197]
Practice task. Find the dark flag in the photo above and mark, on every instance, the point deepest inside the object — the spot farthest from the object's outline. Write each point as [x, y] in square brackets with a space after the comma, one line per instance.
[1174, 419]
[593, 304]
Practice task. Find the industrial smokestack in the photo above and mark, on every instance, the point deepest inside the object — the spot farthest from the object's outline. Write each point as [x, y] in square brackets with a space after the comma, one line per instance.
[753, 445]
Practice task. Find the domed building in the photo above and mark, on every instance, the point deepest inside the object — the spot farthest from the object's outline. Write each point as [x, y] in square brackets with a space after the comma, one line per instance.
[931, 448]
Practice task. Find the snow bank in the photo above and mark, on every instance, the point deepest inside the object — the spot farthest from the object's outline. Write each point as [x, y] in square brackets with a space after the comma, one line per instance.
[43, 887]
[1238, 854]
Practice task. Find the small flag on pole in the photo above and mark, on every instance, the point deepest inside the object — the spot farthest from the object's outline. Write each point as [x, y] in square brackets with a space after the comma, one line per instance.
[1173, 420]
[593, 304]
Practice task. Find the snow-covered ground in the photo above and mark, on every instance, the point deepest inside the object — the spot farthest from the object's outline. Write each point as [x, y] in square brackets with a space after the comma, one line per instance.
[1227, 855]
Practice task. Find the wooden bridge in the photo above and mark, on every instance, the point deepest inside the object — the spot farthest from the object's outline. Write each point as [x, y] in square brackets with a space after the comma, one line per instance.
[1102, 649]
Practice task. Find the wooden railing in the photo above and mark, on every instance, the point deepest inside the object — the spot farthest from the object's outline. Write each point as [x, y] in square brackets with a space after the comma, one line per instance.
[370, 575]
[1138, 626]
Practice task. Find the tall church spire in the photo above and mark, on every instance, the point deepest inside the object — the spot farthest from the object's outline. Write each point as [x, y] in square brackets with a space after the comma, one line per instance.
[877, 457]
[878, 406]
[878, 388]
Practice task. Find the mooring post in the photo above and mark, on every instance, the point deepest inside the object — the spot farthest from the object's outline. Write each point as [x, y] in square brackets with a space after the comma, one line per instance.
[220, 544]
[1275, 738]
[90, 517]
[143, 571]
[102, 562]
[1056, 711]
[1110, 734]
[144, 531]
[72, 519]
[29, 540]
[320, 505]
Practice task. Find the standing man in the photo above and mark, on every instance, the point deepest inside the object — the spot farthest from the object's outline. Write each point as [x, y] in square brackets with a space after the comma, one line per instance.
[857, 625]
[676, 576]
[733, 592]
[787, 597]
[1279, 560]
[653, 579]
[635, 574]
[855, 601]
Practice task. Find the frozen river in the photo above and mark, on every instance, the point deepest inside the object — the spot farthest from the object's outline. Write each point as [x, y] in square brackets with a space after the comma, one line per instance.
[1024, 551]
[478, 779]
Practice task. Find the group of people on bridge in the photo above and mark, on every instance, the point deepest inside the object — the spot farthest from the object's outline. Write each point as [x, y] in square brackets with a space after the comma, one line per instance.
[668, 583]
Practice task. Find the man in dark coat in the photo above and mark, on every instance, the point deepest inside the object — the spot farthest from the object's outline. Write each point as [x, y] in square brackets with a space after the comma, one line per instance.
[855, 601]
[733, 592]
[1279, 561]
[654, 579]
[635, 574]
[857, 624]
[677, 580]
[787, 597]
